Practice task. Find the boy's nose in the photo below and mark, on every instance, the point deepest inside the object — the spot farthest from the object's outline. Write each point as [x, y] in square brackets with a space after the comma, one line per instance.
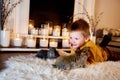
[73, 41]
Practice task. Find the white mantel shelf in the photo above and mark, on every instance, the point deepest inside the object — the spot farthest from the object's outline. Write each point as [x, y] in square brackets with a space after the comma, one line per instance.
[27, 49]
[34, 49]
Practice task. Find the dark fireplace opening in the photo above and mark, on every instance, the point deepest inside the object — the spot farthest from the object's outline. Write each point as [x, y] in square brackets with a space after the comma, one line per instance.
[55, 11]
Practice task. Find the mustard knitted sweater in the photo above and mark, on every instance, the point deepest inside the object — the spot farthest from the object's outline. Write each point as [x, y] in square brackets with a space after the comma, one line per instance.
[98, 53]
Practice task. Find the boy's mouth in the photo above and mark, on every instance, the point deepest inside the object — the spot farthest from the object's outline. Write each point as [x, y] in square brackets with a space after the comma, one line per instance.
[73, 44]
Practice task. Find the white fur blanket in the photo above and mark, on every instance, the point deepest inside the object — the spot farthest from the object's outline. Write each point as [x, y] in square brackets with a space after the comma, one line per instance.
[32, 68]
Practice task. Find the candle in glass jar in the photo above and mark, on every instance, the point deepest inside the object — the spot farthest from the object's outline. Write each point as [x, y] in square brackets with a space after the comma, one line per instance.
[44, 32]
[34, 31]
[44, 29]
[53, 43]
[30, 43]
[56, 31]
[50, 30]
[44, 42]
[17, 42]
[64, 31]
[65, 43]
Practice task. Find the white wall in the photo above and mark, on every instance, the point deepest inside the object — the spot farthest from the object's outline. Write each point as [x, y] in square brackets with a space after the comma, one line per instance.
[110, 8]
[19, 17]
[80, 6]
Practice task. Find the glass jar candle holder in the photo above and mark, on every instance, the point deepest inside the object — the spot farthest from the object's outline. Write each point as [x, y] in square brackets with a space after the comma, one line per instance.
[17, 40]
[50, 27]
[65, 43]
[53, 43]
[50, 30]
[31, 41]
[56, 30]
[43, 42]
[34, 31]
[44, 30]
[65, 30]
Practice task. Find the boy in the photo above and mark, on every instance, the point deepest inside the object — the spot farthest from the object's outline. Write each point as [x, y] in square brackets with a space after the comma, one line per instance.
[80, 38]
[79, 41]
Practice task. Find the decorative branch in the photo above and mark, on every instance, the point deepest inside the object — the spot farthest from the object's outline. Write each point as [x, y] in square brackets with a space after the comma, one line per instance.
[6, 10]
[93, 20]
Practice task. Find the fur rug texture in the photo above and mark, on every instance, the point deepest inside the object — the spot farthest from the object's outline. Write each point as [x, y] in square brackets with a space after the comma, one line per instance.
[32, 68]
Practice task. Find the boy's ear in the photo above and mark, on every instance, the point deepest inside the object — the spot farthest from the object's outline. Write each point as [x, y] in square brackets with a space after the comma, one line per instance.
[87, 38]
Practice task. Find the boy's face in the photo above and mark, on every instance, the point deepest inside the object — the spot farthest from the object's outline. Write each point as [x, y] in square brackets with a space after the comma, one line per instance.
[76, 39]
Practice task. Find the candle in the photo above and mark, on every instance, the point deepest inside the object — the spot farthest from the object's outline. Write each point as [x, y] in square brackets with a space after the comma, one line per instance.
[50, 30]
[64, 31]
[53, 43]
[34, 31]
[43, 42]
[30, 43]
[17, 42]
[49, 26]
[31, 26]
[56, 31]
[65, 43]
[44, 31]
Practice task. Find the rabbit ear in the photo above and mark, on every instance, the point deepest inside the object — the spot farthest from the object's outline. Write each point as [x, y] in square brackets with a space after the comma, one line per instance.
[52, 53]
[52, 48]
[78, 51]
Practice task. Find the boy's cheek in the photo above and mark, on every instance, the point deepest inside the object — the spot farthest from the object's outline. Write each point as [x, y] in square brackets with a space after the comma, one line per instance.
[70, 45]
